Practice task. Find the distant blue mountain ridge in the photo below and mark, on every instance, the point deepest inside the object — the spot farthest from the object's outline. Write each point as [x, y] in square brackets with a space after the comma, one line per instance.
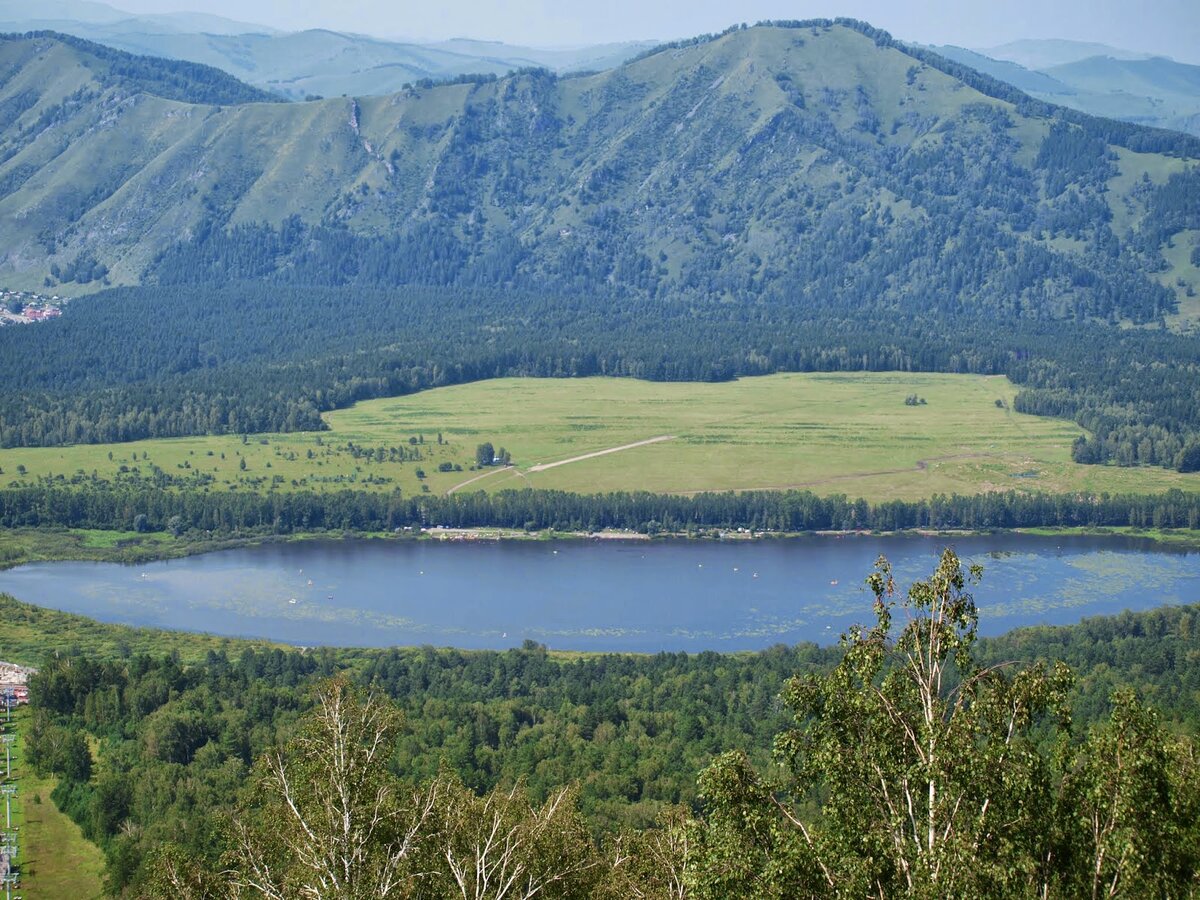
[1096, 79]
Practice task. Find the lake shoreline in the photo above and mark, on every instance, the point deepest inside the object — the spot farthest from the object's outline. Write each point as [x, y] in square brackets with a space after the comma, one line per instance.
[19, 546]
[484, 589]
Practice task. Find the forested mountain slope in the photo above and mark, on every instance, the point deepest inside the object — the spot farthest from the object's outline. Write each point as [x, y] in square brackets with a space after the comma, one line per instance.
[783, 197]
[817, 162]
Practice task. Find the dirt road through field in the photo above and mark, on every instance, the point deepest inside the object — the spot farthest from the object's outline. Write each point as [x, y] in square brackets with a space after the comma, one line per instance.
[463, 484]
[541, 467]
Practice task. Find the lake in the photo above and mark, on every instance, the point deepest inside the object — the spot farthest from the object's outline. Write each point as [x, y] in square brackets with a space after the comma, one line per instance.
[599, 594]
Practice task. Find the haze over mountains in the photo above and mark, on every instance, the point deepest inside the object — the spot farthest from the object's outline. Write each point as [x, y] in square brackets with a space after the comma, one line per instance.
[1096, 79]
[299, 64]
[100, 21]
[327, 63]
[1047, 53]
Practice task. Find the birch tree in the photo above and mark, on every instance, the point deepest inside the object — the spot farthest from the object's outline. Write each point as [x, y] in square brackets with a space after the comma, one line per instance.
[910, 771]
[1130, 810]
[502, 847]
[333, 821]
[653, 864]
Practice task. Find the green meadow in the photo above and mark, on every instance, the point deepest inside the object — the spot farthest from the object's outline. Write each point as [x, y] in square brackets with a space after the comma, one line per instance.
[843, 433]
[54, 858]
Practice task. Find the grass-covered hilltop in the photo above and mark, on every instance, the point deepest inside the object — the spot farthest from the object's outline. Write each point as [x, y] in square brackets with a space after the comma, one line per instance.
[793, 196]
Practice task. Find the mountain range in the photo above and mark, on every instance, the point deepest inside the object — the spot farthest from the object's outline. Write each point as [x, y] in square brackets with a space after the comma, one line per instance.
[1096, 79]
[1045, 53]
[101, 21]
[764, 159]
[320, 63]
[315, 62]
[790, 196]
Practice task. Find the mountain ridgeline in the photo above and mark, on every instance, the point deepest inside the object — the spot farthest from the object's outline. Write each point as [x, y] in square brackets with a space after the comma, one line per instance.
[742, 196]
[799, 162]
[1098, 80]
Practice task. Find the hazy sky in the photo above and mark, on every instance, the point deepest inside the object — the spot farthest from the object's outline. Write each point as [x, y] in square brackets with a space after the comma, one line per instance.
[1170, 27]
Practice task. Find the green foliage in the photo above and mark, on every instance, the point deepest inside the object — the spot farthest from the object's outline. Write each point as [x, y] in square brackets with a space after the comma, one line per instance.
[1153, 653]
[52, 749]
[327, 817]
[488, 846]
[227, 513]
[912, 771]
[1130, 809]
[630, 731]
[107, 372]
[694, 268]
[1072, 155]
[1189, 457]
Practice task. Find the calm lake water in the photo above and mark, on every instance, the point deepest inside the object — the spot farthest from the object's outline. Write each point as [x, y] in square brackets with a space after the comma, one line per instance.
[598, 595]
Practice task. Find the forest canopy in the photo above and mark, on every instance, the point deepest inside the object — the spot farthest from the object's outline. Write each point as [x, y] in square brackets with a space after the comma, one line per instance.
[912, 760]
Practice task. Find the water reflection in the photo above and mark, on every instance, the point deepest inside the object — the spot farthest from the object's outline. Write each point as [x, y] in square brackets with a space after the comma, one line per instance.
[598, 595]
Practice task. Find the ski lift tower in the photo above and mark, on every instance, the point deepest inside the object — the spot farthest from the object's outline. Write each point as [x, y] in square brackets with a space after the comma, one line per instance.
[9, 790]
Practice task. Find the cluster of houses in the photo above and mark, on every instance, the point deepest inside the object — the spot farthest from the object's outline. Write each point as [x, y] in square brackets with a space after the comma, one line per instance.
[14, 682]
[25, 307]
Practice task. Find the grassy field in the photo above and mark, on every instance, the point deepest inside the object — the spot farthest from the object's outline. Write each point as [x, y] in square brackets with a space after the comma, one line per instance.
[55, 859]
[32, 633]
[25, 545]
[849, 433]
[1183, 278]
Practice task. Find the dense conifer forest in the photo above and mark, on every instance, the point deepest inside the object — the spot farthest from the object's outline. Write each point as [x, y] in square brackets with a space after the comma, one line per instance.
[251, 357]
[143, 505]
